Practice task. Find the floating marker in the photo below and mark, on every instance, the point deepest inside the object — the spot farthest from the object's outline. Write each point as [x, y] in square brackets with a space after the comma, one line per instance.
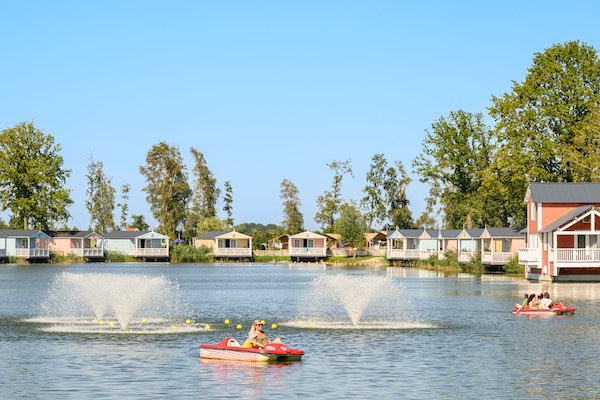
[239, 326]
[226, 322]
[207, 327]
[311, 324]
[273, 326]
[300, 322]
[111, 323]
[188, 321]
[262, 321]
[174, 327]
[101, 322]
[144, 320]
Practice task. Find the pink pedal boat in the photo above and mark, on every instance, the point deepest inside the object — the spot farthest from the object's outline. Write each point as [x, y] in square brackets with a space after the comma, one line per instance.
[230, 349]
[559, 309]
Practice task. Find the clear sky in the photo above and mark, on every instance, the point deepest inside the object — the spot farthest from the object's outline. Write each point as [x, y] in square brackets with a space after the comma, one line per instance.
[267, 90]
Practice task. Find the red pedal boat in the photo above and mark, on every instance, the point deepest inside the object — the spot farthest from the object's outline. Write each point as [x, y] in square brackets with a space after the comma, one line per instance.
[230, 349]
[559, 309]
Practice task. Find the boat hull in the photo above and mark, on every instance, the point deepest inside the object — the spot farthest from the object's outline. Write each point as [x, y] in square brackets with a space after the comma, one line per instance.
[230, 349]
[557, 310]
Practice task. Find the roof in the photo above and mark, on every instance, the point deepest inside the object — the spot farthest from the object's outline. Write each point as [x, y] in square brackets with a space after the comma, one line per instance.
[505, 232]
[566, 218]
[132, 234]
[564, 192]
[218, 234]
[22, 232]
[307, 234]
[71, 234]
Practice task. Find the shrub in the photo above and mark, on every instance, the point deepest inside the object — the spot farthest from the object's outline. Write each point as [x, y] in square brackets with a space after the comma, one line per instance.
[65, 259]
[187, 253]
[114, 256]
[513, 266]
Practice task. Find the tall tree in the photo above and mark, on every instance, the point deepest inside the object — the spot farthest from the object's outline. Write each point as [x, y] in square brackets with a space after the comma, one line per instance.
[455, 154]
[123, 205]
[375, 203]
[32, 178]
[539, 121]
[228, 204]
[293, 220]
[395, 182]
[101, 198]
[206, 192]
[167, 190]
[329, 202]
[139, 222]
[427, 220]
[351, 226]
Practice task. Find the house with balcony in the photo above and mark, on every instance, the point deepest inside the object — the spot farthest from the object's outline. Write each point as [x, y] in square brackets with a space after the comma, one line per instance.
[499, 245]
[145, 245]
[307, 246]
[85, 244]
[31, 245]
[226, 244]
[404, 244]
[563, 230]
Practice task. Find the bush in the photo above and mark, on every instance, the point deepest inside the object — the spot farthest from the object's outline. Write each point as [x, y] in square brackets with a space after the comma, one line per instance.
[114, 256]
[65, 259]
[187, 253]
[513, 266]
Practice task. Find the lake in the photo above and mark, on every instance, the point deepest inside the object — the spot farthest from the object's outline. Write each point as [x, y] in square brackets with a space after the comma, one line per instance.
[385, 332]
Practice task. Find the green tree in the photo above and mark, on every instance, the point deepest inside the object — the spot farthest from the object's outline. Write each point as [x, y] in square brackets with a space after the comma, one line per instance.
[455, 154]
[167, 189]
[427, 219]
[329, 202]
[395, 182]
[212, 224]
[351, 226]
[32, 178]
[293, 220]
[228, 204]
[138, 222]
[585, 153]
[206, 192]
[538, 123]
[123, 205]
[101, 198]
[375, 202]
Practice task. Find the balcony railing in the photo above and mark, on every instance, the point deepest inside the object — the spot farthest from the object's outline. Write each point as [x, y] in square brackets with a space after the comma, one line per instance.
[308, 252]
[32, 253]
[150, 252]
[487, 257]
[577, 255]
[528, 256]
[233, 252]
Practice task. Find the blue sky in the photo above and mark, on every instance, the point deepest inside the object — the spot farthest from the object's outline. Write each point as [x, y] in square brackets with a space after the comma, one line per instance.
[267, 90]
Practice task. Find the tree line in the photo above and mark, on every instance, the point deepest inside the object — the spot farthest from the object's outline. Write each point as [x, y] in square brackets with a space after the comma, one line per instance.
[546, 129]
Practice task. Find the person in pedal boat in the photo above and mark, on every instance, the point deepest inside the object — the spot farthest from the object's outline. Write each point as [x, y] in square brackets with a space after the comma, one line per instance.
[257, 338]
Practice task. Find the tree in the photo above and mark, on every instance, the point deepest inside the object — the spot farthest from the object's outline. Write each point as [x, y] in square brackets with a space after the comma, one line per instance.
[455, 154]
[427, 219]
[395, 182]
[538, 123]
[167, 190]
[585, 154]
[206, 192]
[329, 202]
[351, 226]
[32, 178]
[293, 220]
[228, 207]
[123, 205]
[101, 198]
[138, 222]
[375, 203]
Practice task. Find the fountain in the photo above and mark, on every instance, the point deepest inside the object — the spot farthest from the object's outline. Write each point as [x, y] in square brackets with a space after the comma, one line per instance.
[101, 302]
[355, 302]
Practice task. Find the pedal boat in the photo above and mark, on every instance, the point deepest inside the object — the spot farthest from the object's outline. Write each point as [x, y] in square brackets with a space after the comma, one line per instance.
[559, 309]
[230, 349]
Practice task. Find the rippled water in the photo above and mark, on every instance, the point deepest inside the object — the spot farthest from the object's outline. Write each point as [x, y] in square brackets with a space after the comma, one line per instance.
[453, 337]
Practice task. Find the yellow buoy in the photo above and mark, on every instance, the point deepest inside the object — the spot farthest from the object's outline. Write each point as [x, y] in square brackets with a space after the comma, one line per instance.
[207, 327]
[273, 326]
[239, 326]
[311, 324]
[262, 321]
[188, 321]
[144, 320]
[226, 322]
[111, 323]
[101, 322]
[300, 322]
[174, 327]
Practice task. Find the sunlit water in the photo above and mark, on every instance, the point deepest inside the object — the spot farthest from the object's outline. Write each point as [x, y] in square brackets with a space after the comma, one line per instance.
[421, 334]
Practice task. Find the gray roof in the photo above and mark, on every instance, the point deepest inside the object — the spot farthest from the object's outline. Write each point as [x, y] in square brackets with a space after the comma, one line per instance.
[124, 234]
[20, 232]
[212, 235]
[564, 192]
[505, 232]
[70, 234]
[566, 218]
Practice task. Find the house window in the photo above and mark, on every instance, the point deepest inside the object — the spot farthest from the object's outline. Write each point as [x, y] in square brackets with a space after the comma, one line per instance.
[532, 211]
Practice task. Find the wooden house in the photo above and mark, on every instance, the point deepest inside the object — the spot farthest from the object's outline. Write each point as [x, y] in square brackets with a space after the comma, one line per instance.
[306, 246]
[563, 228]
[32, 245]
[226, 244]
[147, 245]
[86, 244]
